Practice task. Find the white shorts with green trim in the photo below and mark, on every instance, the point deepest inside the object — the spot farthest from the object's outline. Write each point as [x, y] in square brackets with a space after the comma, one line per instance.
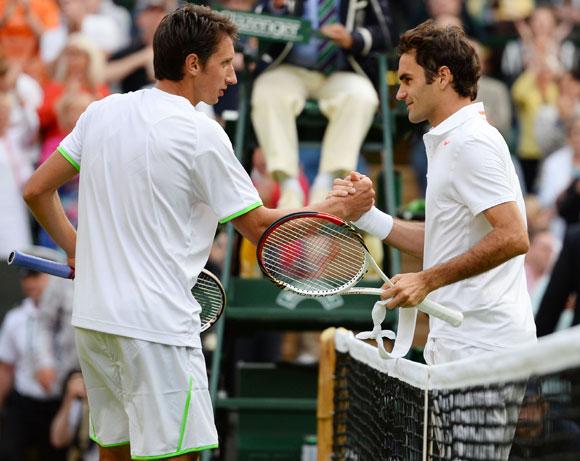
[150, 395]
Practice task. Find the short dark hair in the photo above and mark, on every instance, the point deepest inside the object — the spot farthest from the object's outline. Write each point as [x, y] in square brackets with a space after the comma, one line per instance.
[189, 29]
[438, 46]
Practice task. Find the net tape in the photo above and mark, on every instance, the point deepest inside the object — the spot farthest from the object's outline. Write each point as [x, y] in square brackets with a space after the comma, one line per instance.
[520, 404]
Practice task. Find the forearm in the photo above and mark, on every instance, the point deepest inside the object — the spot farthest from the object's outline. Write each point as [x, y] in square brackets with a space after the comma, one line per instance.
[494, 249]
[6, 380]
[119, 68]
[408, 236]
[48, 211]
[60, 435]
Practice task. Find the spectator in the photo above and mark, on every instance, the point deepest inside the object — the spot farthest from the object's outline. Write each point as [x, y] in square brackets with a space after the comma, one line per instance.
[22, 24]
[539, 38]
[79, 68]
[14, 172]
[538, 264]
[99, 29]
[68, 110]
[330, 70]
[132, 66]
[552, 119]
[70, 426]
[564, 283]
[534, 88]
[569, 201]
[558, 172]
[120, 16]
[25, 96]
[28, 407]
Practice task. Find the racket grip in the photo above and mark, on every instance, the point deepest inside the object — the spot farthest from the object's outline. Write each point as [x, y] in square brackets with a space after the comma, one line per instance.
[41, 265]
[455, 318]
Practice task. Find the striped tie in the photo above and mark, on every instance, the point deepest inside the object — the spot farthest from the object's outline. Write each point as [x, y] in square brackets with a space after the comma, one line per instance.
[327, 49]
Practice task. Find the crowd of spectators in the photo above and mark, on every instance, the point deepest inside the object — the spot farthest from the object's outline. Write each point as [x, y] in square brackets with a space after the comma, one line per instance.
[58, 56]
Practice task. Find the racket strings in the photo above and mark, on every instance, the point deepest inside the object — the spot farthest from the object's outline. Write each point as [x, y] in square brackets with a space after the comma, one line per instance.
[210, 297]
[314, 255]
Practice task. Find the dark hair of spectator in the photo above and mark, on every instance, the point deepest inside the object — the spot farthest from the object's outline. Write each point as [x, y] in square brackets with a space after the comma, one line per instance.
[447, 46]
[192, 29]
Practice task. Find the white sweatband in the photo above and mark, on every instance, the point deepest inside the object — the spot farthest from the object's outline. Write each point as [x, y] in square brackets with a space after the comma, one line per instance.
[376, 223]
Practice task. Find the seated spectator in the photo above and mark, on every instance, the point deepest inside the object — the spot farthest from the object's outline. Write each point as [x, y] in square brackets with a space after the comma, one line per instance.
[28, 407]
[100, 30]
[15, 169]
[68, 110]
[328, 69]
[25, 96]
[564, 285]
[538, 264]
[551, 121]
[22, 23]
[131, 68]
[70, 427]
[79, 68]
[533, 88]
[558, 172]
[540, 37]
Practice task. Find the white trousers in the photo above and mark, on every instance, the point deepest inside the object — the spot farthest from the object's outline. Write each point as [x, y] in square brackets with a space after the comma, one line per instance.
[348, 100]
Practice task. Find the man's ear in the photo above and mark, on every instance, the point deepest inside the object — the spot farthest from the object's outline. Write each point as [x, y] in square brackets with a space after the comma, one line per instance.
[192, 64]
[444, 77]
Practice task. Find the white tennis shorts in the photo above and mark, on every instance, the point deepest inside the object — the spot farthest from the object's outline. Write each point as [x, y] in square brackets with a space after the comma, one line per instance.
[150, 395]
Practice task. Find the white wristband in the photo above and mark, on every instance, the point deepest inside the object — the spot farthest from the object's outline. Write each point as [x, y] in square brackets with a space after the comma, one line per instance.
[376, 223]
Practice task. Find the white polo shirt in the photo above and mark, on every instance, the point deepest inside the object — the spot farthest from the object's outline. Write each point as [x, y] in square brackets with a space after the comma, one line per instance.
[16, 348]
[155, 177]
[469, 171]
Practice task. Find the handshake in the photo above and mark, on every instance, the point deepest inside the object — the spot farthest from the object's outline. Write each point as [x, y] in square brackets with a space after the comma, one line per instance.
[352, 199]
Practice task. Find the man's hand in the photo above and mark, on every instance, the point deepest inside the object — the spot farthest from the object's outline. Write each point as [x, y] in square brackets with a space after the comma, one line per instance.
[338, 34]
[46, 377]
[409, 290]
[75, 387]
[360, 198]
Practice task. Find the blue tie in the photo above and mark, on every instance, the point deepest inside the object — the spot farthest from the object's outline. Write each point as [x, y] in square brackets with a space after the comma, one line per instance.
[327, 49]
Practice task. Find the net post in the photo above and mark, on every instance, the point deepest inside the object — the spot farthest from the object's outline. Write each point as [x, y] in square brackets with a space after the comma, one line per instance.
[325, 401]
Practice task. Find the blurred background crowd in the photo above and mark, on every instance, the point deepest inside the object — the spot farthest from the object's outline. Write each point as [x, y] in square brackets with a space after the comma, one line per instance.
[57, 56]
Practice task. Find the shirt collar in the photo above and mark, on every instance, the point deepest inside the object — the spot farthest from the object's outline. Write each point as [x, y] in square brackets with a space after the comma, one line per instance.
[453, 121]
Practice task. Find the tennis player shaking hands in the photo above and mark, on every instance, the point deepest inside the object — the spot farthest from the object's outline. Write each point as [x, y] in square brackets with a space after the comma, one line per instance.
[474, 235]
[156, 177]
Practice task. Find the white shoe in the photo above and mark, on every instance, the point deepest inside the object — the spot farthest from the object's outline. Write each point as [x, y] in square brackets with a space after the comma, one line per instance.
[290, 197]
[321, 186]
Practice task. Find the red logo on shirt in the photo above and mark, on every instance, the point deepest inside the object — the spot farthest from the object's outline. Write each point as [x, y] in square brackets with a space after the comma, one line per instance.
[446, 142]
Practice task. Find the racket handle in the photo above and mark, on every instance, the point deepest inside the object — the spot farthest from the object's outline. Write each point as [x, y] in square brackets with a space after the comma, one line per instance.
[41, 265]
[451, 316]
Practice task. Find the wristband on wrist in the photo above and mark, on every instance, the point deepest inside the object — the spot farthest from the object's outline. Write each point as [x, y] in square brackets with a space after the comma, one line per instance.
[376, 223]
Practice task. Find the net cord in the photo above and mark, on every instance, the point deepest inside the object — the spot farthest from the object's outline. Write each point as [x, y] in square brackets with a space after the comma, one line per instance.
[551, 354]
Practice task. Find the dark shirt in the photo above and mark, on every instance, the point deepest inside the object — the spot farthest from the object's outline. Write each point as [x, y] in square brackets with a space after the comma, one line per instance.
[138, 78]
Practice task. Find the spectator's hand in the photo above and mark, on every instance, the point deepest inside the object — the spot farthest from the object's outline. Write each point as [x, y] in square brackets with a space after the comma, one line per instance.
[46, 377]
[279, 4]
[338, 34]
[75, 387]
[409, 290]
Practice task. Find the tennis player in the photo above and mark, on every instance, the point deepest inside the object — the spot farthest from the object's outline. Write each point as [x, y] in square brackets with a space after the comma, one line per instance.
[474, 235]
[156, 178]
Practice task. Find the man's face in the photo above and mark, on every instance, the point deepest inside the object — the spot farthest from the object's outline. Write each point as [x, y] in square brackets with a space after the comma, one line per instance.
[33, 285]
[418, 95]
[217, 73]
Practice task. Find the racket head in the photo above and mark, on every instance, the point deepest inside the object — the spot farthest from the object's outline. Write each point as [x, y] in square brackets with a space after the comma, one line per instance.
[312, 254]
[211, 296]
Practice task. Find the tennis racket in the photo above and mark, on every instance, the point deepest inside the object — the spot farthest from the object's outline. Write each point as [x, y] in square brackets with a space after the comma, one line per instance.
[208, 290]
[317, 254]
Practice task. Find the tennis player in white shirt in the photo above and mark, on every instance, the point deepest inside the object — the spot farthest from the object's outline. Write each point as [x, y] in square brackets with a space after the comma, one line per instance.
[474, 235]
[156, 176]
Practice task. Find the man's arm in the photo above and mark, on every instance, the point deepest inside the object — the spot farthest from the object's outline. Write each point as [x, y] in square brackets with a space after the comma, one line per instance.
[41, 196]
[6, 380]
[508, 238]
[350, 207]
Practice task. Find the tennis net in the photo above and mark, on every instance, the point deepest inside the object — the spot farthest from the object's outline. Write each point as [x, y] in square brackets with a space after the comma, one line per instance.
[516, 405]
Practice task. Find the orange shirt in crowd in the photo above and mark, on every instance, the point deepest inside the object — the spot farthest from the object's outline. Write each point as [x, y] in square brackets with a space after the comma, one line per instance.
[18, 40]
[53, 90]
